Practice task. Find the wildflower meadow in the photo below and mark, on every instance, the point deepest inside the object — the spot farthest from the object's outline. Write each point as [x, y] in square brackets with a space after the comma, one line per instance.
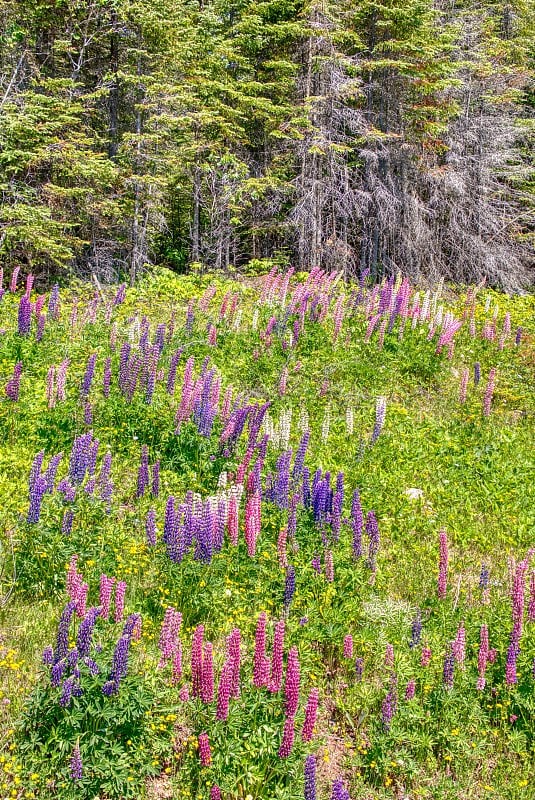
[266, 539]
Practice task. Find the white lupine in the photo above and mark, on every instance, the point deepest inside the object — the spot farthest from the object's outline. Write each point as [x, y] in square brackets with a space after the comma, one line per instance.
[487, 304]
[134, 330]
[254, 321]
[237, 321]
[222, 480]
[303, 421]
[350, 420]
[325, 428]
[285, 423]
[424, 313]
[267, 426]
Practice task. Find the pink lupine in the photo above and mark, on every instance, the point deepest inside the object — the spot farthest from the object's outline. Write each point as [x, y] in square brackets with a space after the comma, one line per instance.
[120, 590]
[291, 686]
[196, 660]
[389, 655]
[81, 599]
[410, 689]
[425, 658]
[205, 754]
[464, 385]
[168, 642]
[261, 662]
[224, 691]
[311, 711]
[489, 391]
[212, 335]
[106, 589]
[443, 564]
[234, 656]
[531, 605]
[459, 646]
[348, 646]
[207, 674]
[281, 548]
[177, 663]
[483, 657]
[73, 577]
[275, 682]
[215, 793]
[252, 522]
[232, 519]
[183, 694]
[61, 379]
[14, 278]
[287, 738]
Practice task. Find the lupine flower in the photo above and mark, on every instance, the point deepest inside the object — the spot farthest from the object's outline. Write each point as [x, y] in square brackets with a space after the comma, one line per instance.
[283, 381]
[120, 658]
[443, 564]
[234, 656]
[14, 278]
[39, 490]
[291, 686]
[348, 646]
[512, 656]
[518, 336]
[389, 705]
[449, 668]
[224, 690]
[483, 657]
[76, 764]
[484, 584]
[24, 316]
[416, 630]
[310, 778]
[380, 414]
[281, 548]
[205, 754]
[120, 590]
[275, 682]
[106, 589]
[311, 711]
[177, 663]
[339, 790]
[53, 302]
[359, 668]
[143, 472]
[150, 528]
[410, 689]
[196, 660]
[372, 530]
[425, 658]
[183, 694]
[88, 377]
[261, 663]
[357, 524]
[459, 646]
[13, 386]
[531, 605]
[287, 738]
[66, 524]
[207, 674]
[215, 793]
[62, 641]
[289, 587]
[489, 391]
[389, 655]
[85, 631]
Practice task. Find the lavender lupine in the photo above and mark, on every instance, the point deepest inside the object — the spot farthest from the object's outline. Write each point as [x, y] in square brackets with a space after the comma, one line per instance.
[443, 564]
[339, 791]
[311, 711]
[76, 766]
[389, 655]
[14, 278]
[329, 566]
[168, 641]
[380, 414]
[310, 778]
[388, 708]
[372, 530]
[12, 389]
[24, 316]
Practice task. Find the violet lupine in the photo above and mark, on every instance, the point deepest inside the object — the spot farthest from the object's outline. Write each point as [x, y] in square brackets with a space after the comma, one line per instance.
[150, 528]
[155, 487]
[513, 652]
[85, 631]
[41, 322]
[443, 564]
[483, 657]
[477, 373]
[289, 587]
[489, 391]
[388, 708]
[448, 670]
[416, 630]
[311, 711]
[380, 414]
[76, 766]
[62, 640]
[120, 657]
[106, 589]
[518, 335]
[88, 376]
[12, 389]
[37, 493]
[372, 530]
[205, 754]
[410, 689]
[348, 646]
[359, 669]
[120, 590]
[459, 646]
[275, 681]
[53, 302]
[310, 778]
[261, 662]
[24, 316]
[196, 660]
[207, 674]
[339, 790]
[291, 686]
[288, 736]
[143, 472]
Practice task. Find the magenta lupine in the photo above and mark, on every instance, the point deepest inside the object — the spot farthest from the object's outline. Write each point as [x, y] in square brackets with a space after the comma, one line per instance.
[252, 523]
[281, 548]
[283, 381]
[120, 590]
[261, 662]
[348, 646]
[207, 674]
[517, 596]
[275, 681]
[389, 655]
[205, 754]
[531, 605]
[311, 711]
[291, 686]
[459, 646]
[443, 564]
[215, 793]
[464, 385]
[12, 389]
[410, 689]
[483, 657]
[177, 663]
[489, 391]
[183, 694]
[234, 656]
[425, 657]
[287, 738]
[81, 599]
[106, 589]
[196, 660]
[224, 691]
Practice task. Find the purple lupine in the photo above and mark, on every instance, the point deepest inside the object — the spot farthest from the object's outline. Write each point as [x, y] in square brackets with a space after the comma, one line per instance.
[205, 754]
[88, 376]
[36, 498]
[24, 316]
[443, 564]
[311, 711]
[79, 459]
[155, 487]
[388, 708]
[12, 389]
[359, 669]
[120, 657]
[389, 655]
[35, 470]
[299, 461]
[150, 528]
[39, 331]
[291, 686]
[339, 791]
[62, 640]
[168, 642]
[518, 335]
[143, 472]
[53, 302]
[310, 778]
[51, 471]
[66, 523]
[282, 483]
[416, 630]
[85, 631]
[489, 391]
[410, 689]
[477, 373]
[449, 668]
[289, 587]
[372, 530]
[287, 738]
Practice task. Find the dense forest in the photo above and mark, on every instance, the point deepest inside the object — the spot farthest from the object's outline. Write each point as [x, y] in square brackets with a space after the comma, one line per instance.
[370, 136]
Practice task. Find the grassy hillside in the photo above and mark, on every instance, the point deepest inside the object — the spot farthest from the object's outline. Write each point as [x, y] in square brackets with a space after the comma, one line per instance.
[343, 473]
